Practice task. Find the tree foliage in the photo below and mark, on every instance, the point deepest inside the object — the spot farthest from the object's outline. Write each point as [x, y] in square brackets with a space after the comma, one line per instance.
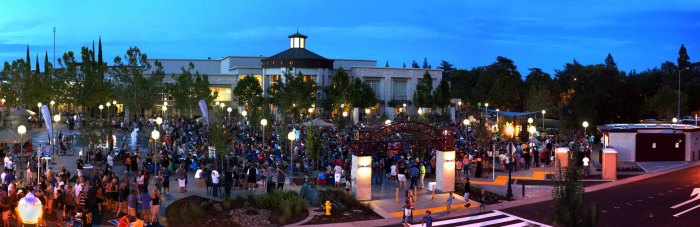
[134, 89]
[294, 94]
[189, 88]
[665, 103]
[422, 96]
[568, 196]
[442, 95]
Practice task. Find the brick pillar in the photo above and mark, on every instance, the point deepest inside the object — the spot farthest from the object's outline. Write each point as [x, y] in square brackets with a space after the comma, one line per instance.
[609, 164]
[445, 171]
[561, 156]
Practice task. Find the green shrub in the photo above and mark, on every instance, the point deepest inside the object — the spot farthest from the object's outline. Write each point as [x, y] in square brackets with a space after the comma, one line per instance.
[281, 221]
[205, 206]
[263, 202]
[286, 208]
[239, 199]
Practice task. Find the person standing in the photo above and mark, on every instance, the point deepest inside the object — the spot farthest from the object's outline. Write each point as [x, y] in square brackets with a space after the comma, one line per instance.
[166, 179]
[467, 191]
[338, 171]
[181, 174]
[422, 175]
[408, 208]
[281, 176]
[586, 161]
[427, 220]
[414, 176]
[482, 201]
[145, 200]
[155, 199]
[215, 181]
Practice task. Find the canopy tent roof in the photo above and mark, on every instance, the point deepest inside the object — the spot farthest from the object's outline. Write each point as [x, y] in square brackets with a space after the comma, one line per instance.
[23, 112]
[9, 136]
[319, 123]
[508, 113]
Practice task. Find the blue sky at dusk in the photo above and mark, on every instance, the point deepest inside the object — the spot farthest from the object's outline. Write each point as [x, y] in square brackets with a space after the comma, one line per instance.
[639, 34]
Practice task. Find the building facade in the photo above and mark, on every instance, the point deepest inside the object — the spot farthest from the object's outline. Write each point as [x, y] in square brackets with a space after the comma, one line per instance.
[387, 82]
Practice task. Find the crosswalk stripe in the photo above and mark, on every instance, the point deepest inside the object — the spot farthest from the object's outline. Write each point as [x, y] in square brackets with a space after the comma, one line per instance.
[489, 219]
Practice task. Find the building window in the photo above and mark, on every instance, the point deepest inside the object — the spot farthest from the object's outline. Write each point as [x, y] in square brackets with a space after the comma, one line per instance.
[224, 94]
[400, 90]
[374, 84]
[308, 78]
[258, 77]
[274, 79]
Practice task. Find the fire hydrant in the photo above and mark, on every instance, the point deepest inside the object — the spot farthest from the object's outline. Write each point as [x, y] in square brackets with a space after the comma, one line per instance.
[328, 207]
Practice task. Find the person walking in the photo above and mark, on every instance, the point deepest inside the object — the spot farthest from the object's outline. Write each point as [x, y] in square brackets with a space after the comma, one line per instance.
[467, 191]
[449, 202]
[408, 208]
[586, 162]
[215, 181]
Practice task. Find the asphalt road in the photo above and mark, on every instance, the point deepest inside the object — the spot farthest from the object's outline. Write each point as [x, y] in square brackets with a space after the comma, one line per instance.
[642, 203]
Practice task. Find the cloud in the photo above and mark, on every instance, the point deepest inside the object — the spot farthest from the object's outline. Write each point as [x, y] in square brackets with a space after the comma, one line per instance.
[17, 25]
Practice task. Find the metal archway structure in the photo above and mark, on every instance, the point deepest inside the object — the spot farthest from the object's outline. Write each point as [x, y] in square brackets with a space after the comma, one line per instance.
[368, 141]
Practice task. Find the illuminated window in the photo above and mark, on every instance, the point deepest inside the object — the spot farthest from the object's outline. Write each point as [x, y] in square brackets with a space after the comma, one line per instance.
[224, 93]
[274, 79]
[400, 90]
[301, 44]
[308, 78]
[258, 77]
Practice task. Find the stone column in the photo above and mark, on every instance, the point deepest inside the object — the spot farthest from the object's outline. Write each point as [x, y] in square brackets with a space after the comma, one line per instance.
[445, 171]
[609, 164]
[355, 115]
[362, 177]
[561, 156]
[265, 82]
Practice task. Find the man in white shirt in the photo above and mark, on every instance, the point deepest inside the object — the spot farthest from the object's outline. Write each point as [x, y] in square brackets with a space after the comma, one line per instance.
[585, 166]
[78, 189]
[110, 160]
[8, 162]
[215, 182]
[198, 174]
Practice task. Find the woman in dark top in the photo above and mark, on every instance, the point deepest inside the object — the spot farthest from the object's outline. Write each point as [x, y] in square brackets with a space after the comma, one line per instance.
[134, 164]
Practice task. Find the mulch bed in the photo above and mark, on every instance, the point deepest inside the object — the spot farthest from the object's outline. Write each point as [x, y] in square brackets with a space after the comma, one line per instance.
[218, 214]
[339, 213]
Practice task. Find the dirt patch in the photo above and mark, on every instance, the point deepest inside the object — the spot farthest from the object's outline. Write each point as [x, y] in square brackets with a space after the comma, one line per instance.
[200, 211]
[343, 209]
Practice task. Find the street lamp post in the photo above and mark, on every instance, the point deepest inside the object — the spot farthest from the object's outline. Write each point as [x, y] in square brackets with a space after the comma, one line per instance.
[229, 109]
[585, 126]
[679, 92]
[543, 119]
[165, 108]
[52, 102]
[529, 121]
[101, 107]
[367, 116]
[263, 122]
[510, 131]
[21, 130]
[155, 135]
[497, 117]
[675, 120]
[56, 118]
[291, 136]
[245, 120]
[108, 104]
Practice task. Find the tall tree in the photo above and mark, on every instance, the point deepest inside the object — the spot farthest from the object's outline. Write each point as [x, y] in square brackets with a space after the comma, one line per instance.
[248, 93]
[665, 103]
[442, 94]
[387, 64]
[415, 65]
[134, 89]
[337, 91]
[404, 64]
[185, 89]
[610, 62]
[425, 63]
[422, 96]
[361, 94]
[294, 94]
[683, 58]
[446, 69]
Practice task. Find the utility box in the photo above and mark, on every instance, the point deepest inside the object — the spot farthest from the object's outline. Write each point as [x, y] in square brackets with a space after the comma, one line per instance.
[609, 164]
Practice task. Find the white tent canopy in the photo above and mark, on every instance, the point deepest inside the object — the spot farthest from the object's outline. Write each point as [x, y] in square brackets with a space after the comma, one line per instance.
[319, 123]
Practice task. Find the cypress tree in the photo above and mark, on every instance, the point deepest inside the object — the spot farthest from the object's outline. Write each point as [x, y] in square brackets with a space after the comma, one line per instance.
[93, 50]
[29, 60]
[46, 62]
[404, 64]
[387, 64]
[425, 63]
[99, 55]
[37, 63]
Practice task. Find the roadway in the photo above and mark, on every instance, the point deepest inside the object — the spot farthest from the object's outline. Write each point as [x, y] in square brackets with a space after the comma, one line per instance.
[657, 201]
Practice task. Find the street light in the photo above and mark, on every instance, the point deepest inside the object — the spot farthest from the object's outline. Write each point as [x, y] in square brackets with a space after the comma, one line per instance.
[679, 91]
[29, 209]
[263, 122]
[39, 105]
[532, 130]
[101, 107]
[387, 122]
[509, 132]
[108, 104]
[543, 119]
[367, 116]
[585, 126]
[345, 113]
[52, 102]
[56, 119]
[159, 121]
[466, 122]
[222, 104]
[155, 134]
[675, 120]
[21, 130]
[165, 108]
[245, 113]
[291, 136]
[529, 120]
[229, 109]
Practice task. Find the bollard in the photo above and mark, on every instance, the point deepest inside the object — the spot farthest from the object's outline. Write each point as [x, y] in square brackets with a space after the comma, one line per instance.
[397, 195]
[415, 193]
[523, 188]
[433, 192]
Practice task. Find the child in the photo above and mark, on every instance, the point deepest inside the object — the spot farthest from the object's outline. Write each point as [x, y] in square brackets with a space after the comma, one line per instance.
[427, 219]
[138, 222]
[449, 202]
[85, 217]
[348, 186]
[482, 202]
[467, 190]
